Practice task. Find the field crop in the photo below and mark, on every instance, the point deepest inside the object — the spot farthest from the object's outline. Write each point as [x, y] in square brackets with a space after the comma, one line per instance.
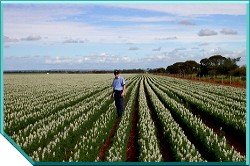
[71, 117]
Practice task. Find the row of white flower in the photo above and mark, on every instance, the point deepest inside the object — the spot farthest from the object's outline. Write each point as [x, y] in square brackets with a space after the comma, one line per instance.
[40, 111]
[46, 105]
[43, 152]
[21, 101]
[53, 150]
[88, 147]
[90, 143]
[236, 119]
[149, 146]
[25, 95]
[36, 133]
[237, 94]
[32, 94]
[87, 122]
[212, 142]
[230, 108]
[118, 149]
[220, 99]
[182, 148]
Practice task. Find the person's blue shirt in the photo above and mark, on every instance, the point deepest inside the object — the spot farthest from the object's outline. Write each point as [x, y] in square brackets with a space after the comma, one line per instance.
[118, 83]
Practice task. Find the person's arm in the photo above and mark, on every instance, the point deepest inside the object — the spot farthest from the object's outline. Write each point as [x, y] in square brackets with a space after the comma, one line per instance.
[123, 84]
[123, 92]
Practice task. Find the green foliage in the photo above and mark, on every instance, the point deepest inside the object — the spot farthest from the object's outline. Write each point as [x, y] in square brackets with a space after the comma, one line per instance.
[214, 65]
[218, 65]
[188, 67]
[241, 71]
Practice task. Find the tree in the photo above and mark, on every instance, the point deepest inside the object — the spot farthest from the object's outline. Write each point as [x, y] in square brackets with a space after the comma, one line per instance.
[241, 71]
[176, 68]
[217, 65]
[160, 70]
[190, 67]
[216, 60]
[204, 67]
[229, 64]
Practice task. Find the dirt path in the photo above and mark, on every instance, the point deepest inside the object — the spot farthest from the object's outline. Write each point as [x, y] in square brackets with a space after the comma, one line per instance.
[105, 147]
[107, 143]
[216, 82]
[133, 146]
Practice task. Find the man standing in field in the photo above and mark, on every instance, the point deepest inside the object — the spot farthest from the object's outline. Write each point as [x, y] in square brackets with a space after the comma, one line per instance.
[118, 92]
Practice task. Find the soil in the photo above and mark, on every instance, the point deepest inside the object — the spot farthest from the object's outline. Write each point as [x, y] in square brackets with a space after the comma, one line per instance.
[108, 142]
[216, 82]
[132, 153]
[103, 150]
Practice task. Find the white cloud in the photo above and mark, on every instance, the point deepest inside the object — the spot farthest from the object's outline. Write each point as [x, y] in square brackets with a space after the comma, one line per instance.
[186, 22]
[189, 9]
[207, 32]
[37, 13]
[226, 53]
[102, 58]
[241, 53]
[157, 49]
[227, 31]
[142, 33]
[19, 23]
[167, 38]
[32, 38]
[26, 57]
[179, 49]
[203, 44]
[56, 28]
[138, 19]
[74, 41]
[133, 48]
[129, 43]
[8, 39]
[60, 60]
[233, 54]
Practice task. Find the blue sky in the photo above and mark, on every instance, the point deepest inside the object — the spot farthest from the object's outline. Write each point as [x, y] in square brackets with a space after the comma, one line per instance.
[120, 35]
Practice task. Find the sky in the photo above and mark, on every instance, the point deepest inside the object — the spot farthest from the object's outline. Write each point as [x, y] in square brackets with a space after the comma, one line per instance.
[87, 36]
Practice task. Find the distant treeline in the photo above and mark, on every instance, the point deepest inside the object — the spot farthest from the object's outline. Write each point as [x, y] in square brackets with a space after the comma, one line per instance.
[212, 66]
[75, 71]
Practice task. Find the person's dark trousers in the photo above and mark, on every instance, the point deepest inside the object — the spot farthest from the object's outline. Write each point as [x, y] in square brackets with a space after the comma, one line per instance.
[119, 102]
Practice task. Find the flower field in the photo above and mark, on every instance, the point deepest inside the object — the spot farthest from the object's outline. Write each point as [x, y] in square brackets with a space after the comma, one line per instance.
[71, 117]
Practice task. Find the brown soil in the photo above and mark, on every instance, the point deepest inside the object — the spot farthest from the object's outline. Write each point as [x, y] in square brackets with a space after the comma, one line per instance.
[132, 153]
[216, 82]
[107, 143]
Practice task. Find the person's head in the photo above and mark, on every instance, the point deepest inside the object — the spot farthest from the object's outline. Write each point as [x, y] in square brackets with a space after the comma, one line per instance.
[116, 73]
